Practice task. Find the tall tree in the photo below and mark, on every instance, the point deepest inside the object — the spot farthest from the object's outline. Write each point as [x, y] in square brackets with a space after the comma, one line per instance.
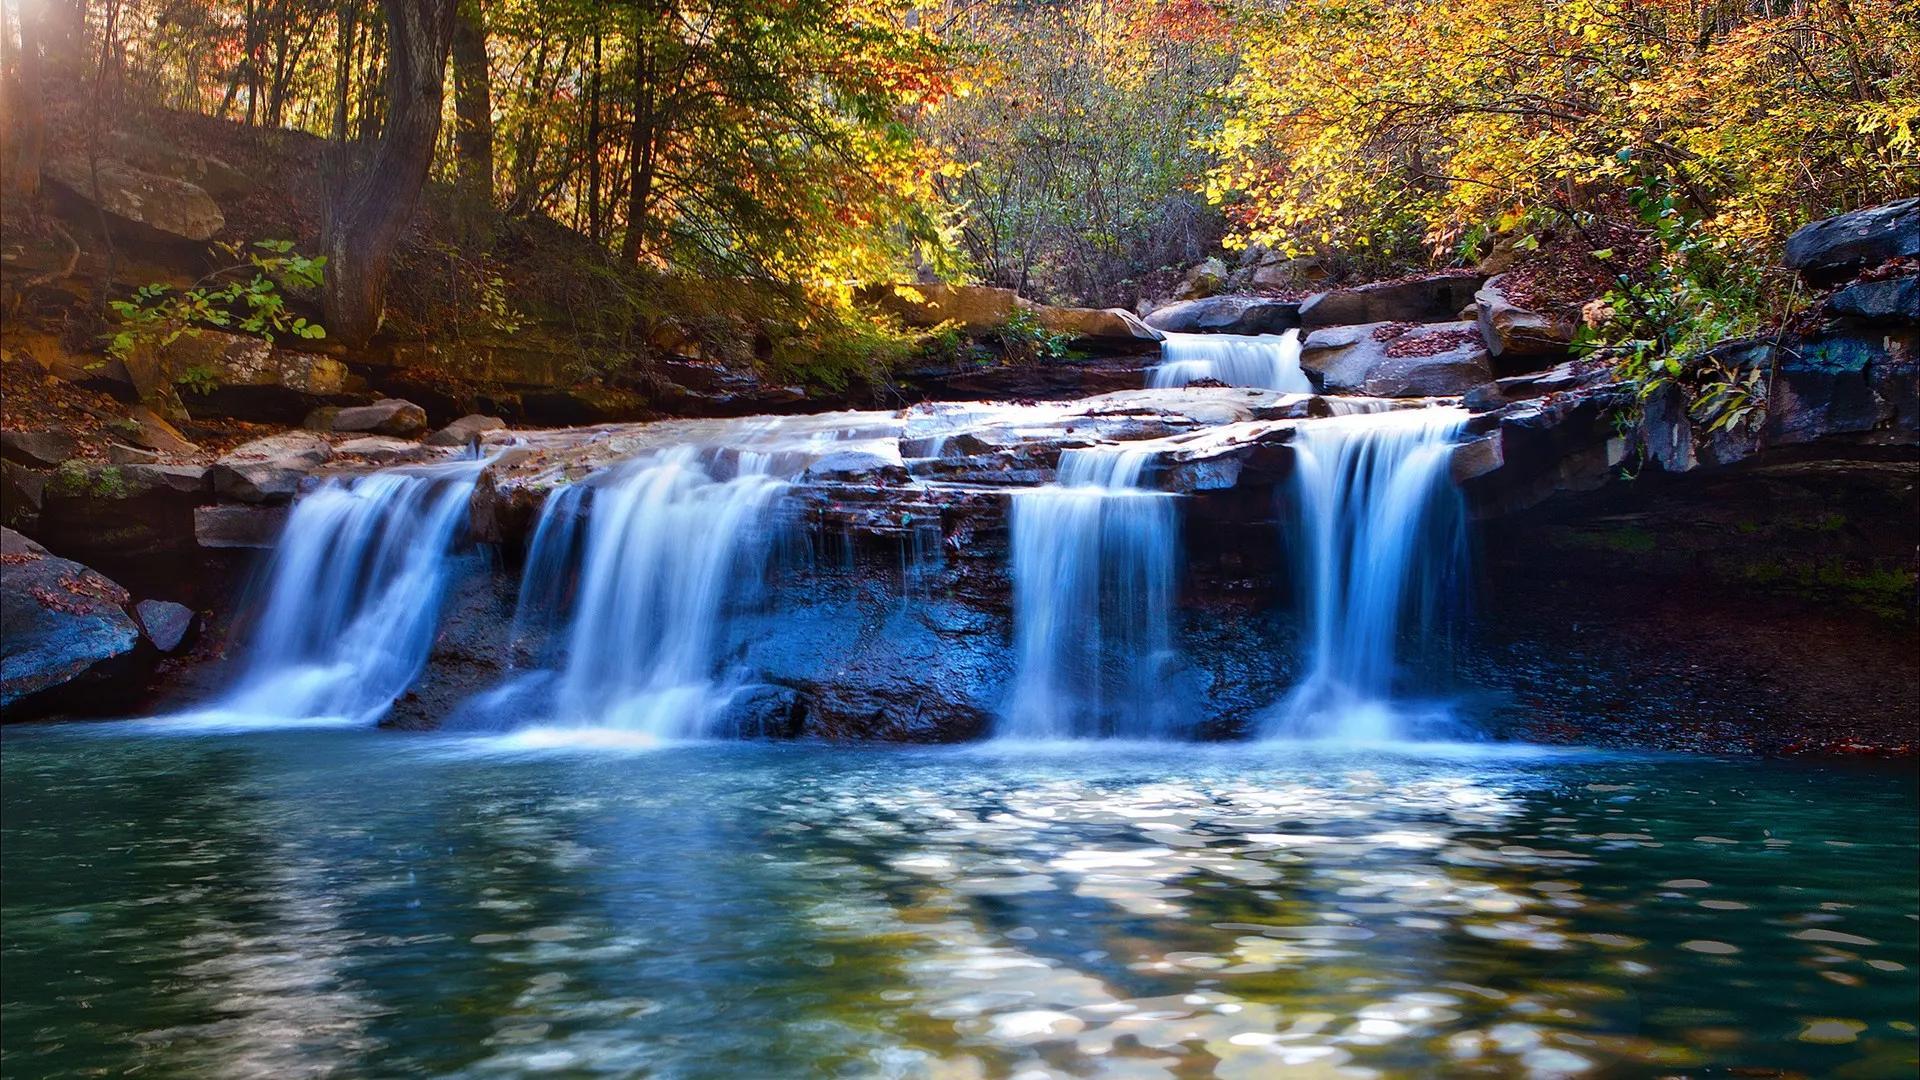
[473, 113]
[367, 217]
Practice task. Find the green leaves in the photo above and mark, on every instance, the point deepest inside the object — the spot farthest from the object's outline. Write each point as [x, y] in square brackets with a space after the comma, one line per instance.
[230, 298]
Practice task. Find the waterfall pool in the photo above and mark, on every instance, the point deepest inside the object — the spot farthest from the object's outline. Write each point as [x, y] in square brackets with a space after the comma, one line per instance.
[351, 902]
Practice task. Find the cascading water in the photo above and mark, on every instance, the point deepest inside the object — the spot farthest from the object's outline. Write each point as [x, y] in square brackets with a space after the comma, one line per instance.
[1380, 537]
[664, 547]
[1093, 570]
[1268, 361]
[353, 597]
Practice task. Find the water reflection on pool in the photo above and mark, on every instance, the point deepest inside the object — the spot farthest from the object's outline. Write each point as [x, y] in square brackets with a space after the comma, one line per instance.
[361, 903]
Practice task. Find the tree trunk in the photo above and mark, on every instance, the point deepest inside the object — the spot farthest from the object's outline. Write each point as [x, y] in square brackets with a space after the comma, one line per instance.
[640, 185]
[593, 142]
[473, 117]
[366, 220]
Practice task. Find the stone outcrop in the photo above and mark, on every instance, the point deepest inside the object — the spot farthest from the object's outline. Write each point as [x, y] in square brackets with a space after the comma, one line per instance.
[269, 469]
[1203, 279]
[1226, 315]
[168, 206]
[1836, 248]
[1515, 333]
[977, 309]
[1430, 298]
[62, 626]
[1886, 300]
[1397, 359]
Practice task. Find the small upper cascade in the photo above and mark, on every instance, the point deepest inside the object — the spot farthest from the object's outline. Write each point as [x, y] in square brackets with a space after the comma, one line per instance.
[1094, 558]
[353, 596]
[637, 592]
[1380, 545]
[1266, 361]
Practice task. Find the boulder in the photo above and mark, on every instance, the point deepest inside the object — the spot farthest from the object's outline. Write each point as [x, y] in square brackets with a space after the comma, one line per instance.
[21, 489]
[166, 205]
[978, 309]
[463, 431]
[61, 623]
[1513, 331]
[389, 416]
[1115, 324]
[229, 526]
[1395, 360]
[170, 159]
[1839, 247]
[166, 623]
[1890, 300]
[1226, 315]
[1435, 297]
[269, 469]
[37, 449]
[1203, 279]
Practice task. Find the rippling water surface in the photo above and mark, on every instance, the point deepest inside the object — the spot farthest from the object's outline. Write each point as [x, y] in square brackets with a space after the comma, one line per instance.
[348, 903]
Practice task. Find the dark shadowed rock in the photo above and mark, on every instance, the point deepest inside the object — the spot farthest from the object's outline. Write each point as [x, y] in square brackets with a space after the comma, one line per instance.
[165, 622]
[269, 469]
[60, 623]
[1892, 300]
[389, 416]
[466, 429]
[21, 490]
[37, 449]
[1424, 299]
[1840, 246]
[1226, 315]
[229, 526]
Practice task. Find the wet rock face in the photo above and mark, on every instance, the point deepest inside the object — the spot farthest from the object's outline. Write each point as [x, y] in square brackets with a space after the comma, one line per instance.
[62, 626]
[1839, 247]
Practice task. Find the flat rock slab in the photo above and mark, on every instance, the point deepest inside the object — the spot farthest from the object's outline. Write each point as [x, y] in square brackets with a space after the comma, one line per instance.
[269, 469]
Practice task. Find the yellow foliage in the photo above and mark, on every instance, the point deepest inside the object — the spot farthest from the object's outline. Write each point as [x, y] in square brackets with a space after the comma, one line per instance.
[1403, 122]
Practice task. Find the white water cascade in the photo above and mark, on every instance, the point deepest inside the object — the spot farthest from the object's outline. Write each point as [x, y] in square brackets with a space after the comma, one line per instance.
[1380, 540]
[353, 596]
[666, 546]
[1093, 575]
[1267, 361]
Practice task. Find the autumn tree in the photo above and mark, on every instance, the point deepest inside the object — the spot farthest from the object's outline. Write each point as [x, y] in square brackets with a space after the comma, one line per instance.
[368, 215]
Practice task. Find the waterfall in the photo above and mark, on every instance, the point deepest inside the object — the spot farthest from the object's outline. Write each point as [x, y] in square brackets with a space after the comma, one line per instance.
[353, 596]
[1093, 570]
[1268, 361]
[664, 547]
[1380, 537]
